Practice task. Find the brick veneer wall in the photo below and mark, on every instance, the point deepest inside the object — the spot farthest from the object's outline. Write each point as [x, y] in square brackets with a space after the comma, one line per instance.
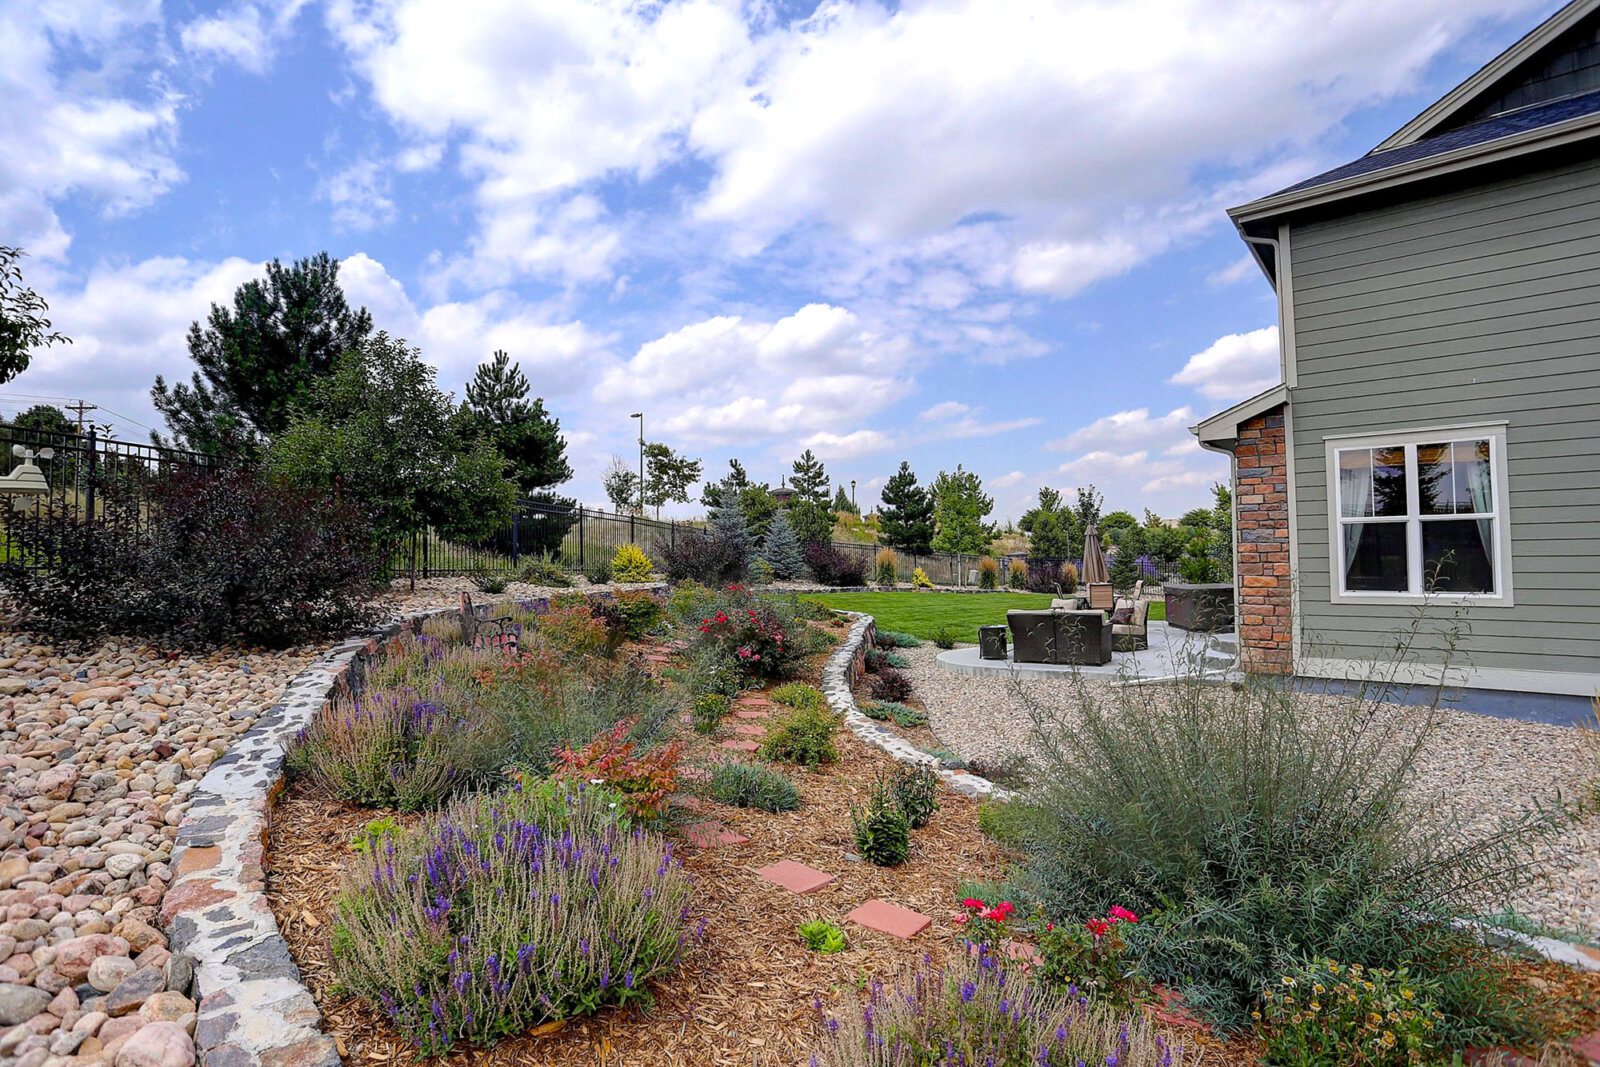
[1261, 502]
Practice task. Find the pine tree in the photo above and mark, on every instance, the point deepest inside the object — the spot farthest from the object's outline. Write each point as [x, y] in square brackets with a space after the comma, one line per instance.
[733, 539]
[841, 503]
[497, 408]
[258, 359]
[959, 508]
[906, 515]
[808, 510]
[782, 550]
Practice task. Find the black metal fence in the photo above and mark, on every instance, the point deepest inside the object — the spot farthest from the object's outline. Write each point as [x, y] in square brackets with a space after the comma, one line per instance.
[88, 478]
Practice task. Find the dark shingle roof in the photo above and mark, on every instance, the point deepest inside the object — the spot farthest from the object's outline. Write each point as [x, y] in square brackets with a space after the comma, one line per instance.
[1490, 129]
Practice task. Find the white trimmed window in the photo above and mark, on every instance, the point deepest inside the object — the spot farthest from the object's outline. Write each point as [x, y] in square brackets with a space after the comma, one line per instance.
[1419, 512]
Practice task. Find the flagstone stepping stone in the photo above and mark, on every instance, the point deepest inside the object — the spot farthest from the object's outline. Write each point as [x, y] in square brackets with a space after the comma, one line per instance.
[891, 919]
[752, 714]
[687, 803]
[741, 746]
[1588, 1047]
[795, 877]
[751, 731]
[710, 834]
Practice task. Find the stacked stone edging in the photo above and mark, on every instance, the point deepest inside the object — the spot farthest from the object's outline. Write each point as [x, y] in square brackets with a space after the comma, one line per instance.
[254, 1010]
[839, 676]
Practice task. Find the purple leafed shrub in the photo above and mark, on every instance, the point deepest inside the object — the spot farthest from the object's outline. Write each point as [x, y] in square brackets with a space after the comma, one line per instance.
[504, 912]
[976, 1010]
[829, 566]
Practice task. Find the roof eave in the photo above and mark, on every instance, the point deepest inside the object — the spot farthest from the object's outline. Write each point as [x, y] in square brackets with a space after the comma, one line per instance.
[1219, 432]
[1573, 130]
[1462, 96]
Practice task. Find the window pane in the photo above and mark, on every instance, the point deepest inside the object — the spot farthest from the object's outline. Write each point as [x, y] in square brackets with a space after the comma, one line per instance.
[1389, 481]
[1454, 478]
[1458, 555]
[1355, 483]
[1375, 557]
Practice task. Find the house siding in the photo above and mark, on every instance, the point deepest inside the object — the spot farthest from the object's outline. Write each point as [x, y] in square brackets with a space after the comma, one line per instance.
[1470, 306]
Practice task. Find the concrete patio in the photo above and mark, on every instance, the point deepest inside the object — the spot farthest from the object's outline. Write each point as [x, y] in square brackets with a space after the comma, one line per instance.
[1172, 651]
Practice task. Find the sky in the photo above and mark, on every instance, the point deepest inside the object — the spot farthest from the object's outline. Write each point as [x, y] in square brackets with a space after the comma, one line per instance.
[978, 232]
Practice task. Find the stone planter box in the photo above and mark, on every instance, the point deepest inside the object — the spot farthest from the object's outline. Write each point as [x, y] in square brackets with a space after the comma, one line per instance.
[1207, 607]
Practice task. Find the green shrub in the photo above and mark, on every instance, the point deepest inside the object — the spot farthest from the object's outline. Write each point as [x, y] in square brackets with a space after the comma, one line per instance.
[1271, 828]
[711, 670]
[820, 936]
[994, 1012]
[707, 712]
[948, 759]
[814, 610]
[751, 785]
[1006, 822]
[506, 912]
[374, 833]
[640, 611]
[485, 580]
[877, 660]
[895, 639]
[598, 571]
[630, 564]
[761, 572]
[542, 570]
[945, 637]
[916, 793]
[803, 736]
[1092, 956]
[900, 714]
[562, 708]
[882, 831]
[798, 695]
[1326, 1014]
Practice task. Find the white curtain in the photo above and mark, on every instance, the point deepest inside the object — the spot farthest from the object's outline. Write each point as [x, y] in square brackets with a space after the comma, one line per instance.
[1480, 489]
[1355, 498]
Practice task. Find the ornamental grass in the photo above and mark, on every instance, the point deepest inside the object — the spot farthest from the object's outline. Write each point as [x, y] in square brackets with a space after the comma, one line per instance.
[505, 912]
[977, 1010]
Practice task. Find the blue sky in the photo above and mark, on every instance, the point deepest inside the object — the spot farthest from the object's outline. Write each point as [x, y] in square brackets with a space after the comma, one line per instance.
[972, 231]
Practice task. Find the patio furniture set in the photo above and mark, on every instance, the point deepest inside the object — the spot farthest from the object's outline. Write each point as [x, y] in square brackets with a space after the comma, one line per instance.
[1083, 628]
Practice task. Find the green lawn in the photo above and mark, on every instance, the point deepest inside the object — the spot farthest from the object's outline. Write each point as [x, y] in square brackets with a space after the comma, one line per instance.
[921, 614]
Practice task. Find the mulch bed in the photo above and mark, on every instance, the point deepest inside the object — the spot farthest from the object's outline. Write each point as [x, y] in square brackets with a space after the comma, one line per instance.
[746, 994]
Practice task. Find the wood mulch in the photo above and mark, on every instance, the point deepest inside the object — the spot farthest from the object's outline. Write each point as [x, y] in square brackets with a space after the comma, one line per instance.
[744, 996]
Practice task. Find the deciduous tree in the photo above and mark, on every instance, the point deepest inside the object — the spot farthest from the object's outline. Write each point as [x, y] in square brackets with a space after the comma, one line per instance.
[23, 326]
[959, 508]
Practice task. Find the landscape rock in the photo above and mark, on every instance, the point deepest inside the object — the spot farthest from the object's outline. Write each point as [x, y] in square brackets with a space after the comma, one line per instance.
[133, 991]
[74, 958]
[158, 1045]
[107, 971]
[166, 1007]
[19, 1003]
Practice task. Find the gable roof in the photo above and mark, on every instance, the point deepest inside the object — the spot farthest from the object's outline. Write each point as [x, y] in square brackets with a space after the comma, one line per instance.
[1545, 89]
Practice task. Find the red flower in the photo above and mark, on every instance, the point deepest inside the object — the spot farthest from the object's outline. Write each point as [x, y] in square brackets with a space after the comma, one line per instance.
[1122, 914]
[1097, 927]
[975, 905]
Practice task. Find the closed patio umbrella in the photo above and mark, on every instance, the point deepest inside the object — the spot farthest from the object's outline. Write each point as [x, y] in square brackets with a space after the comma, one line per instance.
[1094, 560]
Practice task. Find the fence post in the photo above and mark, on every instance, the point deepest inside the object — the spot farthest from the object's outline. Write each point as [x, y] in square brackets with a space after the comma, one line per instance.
[583, 562]
[632, 535]
[88, 491]
[516, 518]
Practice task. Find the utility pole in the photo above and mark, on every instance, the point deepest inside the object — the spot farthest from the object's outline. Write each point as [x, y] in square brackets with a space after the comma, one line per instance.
[82, 409]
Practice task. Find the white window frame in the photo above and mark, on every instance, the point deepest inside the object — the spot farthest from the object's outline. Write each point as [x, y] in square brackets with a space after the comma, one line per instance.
[1409, 439]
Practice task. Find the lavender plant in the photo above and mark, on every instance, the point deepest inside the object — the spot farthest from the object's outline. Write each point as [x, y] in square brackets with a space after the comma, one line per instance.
[977, 1011]
[399, 748]
[505, 912]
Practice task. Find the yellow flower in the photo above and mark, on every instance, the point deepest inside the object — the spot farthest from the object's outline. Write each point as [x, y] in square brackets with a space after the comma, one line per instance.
[1256, 1015]
[1315, 1007]
[1288, 981]
[1408, 994]
[1318, 988]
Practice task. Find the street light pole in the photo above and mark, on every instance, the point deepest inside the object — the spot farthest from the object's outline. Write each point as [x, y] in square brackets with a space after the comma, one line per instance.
[853, 494]
[640, 416]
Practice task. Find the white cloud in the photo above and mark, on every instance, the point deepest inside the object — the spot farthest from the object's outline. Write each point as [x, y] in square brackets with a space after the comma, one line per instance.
[846, 446]
[1237, 271]
[1122, 428]
[359, 194]
[946, 409]
[87, 112]
[810, 376]
[1234, 366]
[246, 34]
[1006, 481]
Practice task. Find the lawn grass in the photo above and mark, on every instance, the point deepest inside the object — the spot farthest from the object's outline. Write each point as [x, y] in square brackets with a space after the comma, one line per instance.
[923, 614]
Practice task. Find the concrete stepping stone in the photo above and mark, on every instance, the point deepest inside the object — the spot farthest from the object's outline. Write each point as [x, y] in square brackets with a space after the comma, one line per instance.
[751, 731]
[795, 877]
[891, 919]
[710, 834]
[740, 746]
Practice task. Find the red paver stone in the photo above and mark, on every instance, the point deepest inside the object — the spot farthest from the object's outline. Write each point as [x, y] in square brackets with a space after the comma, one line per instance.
[751, 731]
[753, 702]
[687, 803]
[688, 774]
[891, 919]
[1588, 1047]
[741, 746]
[753, 714]
[711, 833]
[795, 877]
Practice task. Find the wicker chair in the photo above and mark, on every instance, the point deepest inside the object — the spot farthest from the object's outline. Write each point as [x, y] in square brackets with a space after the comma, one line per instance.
[1061, 637]
[1133, 635]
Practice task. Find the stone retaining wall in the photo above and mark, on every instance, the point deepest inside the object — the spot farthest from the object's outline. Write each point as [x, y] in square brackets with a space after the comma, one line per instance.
[254, 1011]
[839, 676]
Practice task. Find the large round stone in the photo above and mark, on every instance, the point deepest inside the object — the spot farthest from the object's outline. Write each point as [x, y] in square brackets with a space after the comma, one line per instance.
[158, 1045]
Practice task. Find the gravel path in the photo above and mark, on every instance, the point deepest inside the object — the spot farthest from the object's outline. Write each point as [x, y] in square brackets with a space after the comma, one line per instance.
[1485, 768]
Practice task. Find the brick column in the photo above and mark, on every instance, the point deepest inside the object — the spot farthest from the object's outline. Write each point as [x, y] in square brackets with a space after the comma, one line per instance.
[1261, 505]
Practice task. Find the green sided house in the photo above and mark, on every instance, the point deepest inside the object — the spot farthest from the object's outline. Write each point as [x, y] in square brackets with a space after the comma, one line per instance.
[1436, 436]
